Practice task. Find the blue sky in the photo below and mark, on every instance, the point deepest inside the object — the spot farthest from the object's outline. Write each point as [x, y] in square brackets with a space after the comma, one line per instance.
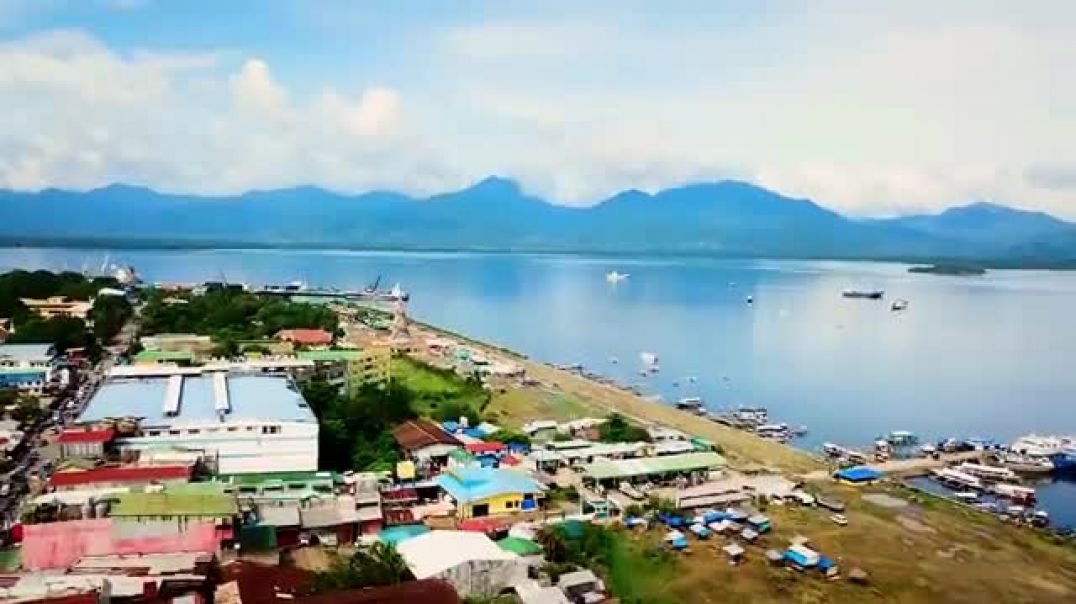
[869, 108]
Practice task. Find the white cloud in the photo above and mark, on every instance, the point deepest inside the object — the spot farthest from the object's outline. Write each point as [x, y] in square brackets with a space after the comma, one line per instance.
[84, 115]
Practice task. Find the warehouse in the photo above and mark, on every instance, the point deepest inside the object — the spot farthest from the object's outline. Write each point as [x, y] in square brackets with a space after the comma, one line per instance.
[665, 466]
[241, 422]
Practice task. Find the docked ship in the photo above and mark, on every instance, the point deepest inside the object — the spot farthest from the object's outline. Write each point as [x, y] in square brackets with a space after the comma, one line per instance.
[869, 294]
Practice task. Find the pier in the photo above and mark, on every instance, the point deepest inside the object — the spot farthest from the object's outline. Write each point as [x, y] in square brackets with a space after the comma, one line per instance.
[365, 295]
[917, 465]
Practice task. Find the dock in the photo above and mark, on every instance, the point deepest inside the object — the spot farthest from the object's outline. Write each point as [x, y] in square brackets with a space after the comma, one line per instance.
[904, 467]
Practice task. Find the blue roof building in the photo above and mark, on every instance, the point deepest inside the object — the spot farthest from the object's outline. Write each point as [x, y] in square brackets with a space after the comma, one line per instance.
[243, 422]
[488, 491]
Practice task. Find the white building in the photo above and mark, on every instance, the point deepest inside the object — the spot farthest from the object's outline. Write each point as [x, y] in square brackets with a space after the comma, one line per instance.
[27, 367]
[470, 561]
[245, 422]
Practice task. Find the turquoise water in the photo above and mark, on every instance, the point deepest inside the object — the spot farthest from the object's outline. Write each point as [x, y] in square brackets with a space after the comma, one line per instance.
[987, 356]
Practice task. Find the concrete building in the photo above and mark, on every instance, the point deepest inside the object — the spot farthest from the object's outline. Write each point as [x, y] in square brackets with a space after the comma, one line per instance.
[351, 369]
[487, 491]
[425, 443]
[470, 561]
[26, 367]
[85, 444]
[178, 342]
[58, 306]
[241, 422]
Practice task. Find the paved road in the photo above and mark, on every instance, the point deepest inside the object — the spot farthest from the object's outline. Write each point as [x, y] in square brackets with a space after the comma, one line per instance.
[907, 466]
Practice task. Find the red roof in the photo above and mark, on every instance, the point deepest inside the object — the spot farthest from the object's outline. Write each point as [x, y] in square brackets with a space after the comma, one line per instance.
[416, 434]
[87, 436]
[483, 525]
[305, 336]
[487, 447]
[127, 474]
[511, 460]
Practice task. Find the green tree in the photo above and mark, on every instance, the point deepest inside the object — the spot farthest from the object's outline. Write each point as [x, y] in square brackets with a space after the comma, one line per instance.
[108, 314]
[513, 437]
[617, 430]
[370, 566]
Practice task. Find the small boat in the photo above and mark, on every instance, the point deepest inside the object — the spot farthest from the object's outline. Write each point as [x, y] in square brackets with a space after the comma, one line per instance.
[969, 496]
[1015, 492]
[615, 277]
[868, 294]
[952, 477]
[898, 305]
[987, 472]
[614, 360]
[750, 299]
[690, 403]
[902, 438]
[839, 519]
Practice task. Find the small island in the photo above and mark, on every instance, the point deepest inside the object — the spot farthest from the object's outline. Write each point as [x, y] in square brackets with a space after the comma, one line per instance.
[959, 270]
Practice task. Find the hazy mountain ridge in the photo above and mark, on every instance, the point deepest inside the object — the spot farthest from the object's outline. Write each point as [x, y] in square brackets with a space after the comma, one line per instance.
[729, 218]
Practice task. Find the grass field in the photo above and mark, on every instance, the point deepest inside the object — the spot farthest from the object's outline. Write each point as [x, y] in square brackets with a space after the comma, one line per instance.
[434, 389]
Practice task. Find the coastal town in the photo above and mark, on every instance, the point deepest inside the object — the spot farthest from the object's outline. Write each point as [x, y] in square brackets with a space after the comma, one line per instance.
[214, 442]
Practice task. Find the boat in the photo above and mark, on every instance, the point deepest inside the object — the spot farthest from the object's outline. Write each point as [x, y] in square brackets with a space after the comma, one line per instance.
[1014, 492]
[987, 472]
[630, 491]
[774, 431]
[865, 294]
[757, 415]
[615, 277]
[953, 477]
[839, 519]
[614, 360]
[1033, 445]
[649, 359]
[690, 403]
[898, 305]
[1065, 460]
[1023, 464]
[968, 496]
[750, 299]
[902, 438]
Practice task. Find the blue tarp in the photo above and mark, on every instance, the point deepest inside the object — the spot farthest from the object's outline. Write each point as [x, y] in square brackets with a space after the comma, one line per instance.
[679, 543]
[797, 558]
[474, 433]
[518, 448]
[858, 474]
[825, 563]
[450, 426]
[671, 520]
[709, 517]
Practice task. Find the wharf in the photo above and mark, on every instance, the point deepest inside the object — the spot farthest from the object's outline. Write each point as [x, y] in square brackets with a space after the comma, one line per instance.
[906, 467]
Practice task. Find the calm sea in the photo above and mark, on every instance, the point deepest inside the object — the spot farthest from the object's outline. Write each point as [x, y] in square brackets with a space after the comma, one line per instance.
[989, 356]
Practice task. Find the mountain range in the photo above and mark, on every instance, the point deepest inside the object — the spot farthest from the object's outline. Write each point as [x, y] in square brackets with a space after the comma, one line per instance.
[727, 218]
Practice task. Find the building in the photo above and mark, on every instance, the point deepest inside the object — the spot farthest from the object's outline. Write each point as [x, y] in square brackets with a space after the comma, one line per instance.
[305, 337]
[59, 545]
[241, 422]
[184, 358]
[487, 491]
[470, 561]
[26, 367]
[178, 342]
[351, 369]
[58, 306]
[662, 467]
[119, 476]
[84, 443]
[425, 442]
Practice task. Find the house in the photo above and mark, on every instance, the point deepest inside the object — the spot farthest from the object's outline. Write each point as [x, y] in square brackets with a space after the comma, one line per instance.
[582, 586]
[58, 306]
[59, 545]
[242, 421]
[26, 367]
[470, 561]
[333, 522]
[487, 491]
[425, 442]
[305, 337]
[85, 443]
[70, 480]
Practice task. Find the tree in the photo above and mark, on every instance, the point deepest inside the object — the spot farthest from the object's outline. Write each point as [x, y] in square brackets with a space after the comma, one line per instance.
[225, 349]
[370, 566]
[512, 437]
[108, 314]
[27, 409]
[618, 430]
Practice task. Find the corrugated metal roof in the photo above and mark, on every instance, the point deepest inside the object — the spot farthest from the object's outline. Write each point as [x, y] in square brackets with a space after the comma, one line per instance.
[86, 436]
[174, 504]
[436, 551]
[27, 352]
[605, 469]
[122, 474]
[473, 484]
[419, 433]
[252, 398]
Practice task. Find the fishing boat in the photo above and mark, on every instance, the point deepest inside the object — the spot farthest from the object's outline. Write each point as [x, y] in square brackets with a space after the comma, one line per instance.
[865, 294]
[690, 403]
[987, 472]
[750, 299]
[615, 277]
[956, 478]
[902, 438]
[1015, 492]
[1023, 464]
[898, 305]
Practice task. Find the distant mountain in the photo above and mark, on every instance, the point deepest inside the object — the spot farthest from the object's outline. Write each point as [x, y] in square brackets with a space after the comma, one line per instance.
[723, 218]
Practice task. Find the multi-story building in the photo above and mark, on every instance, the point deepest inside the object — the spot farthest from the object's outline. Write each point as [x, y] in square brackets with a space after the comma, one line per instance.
[240, 421]
[26, 367]
[58, 306]
[351, 369]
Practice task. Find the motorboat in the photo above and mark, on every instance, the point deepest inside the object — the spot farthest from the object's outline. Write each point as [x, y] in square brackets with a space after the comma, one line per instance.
[898, 305]
[868, 294]
[615, 277]
[987, 472]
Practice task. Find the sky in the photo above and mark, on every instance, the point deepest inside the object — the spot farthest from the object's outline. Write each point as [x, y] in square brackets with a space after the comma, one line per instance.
[869, 108]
